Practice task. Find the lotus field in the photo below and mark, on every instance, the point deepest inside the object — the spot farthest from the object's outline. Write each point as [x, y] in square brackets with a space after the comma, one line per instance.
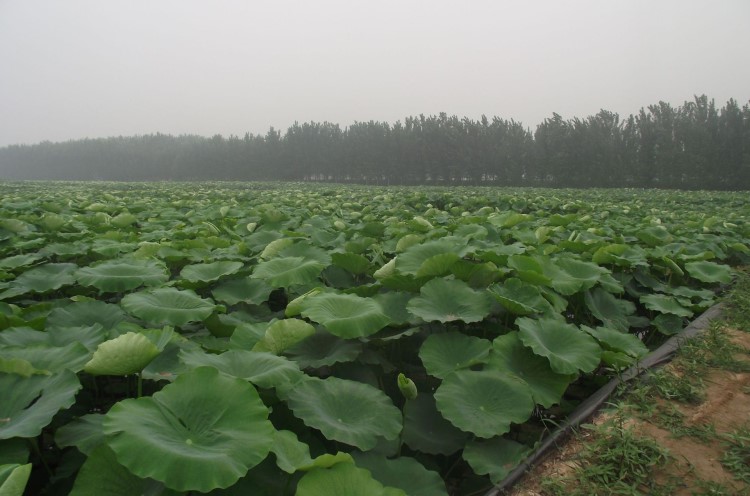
[317, 340]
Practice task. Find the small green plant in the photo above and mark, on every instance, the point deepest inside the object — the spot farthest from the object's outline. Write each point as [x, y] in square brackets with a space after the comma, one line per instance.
[736, 458]
[615, 461]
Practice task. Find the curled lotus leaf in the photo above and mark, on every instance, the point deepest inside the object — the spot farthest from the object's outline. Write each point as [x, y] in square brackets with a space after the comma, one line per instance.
[202, 432]
[709, 272]
[282, 272]
[126, 354]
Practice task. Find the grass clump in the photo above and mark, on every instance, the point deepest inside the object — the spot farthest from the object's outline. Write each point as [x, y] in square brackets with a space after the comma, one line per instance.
[736, 458]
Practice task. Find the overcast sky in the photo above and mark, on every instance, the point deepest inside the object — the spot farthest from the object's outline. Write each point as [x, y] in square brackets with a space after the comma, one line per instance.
[92, 68]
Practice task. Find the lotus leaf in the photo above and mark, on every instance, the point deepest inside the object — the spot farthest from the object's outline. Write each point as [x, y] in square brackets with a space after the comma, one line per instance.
[404, 473]
[234, 291]
[622, 342]
[126, 354]
[167, 306]
[44, 278]
[665, 304]
[510, 356]
[346, 411]
[102, 474]
[709, 272]
[208, 272]
[613, 312]
[201, 432]
[443, 354]
[291, 453]
[568, 349]
[324, 349]
[342, 479]
[432, 258]
[262, 369]
[283, 334]
[49, 358]
[29, 403]
[520, 298]
[283, 272]
[13, 478]
[496, 457]
[15, 450]
[115, 276]
[448, 300]
[85, 433]
[344, 315]
[485, 402]
[86, 313]
[668, 324]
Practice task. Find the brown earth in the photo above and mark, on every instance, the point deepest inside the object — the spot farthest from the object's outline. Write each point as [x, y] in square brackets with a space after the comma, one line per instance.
[694, 461]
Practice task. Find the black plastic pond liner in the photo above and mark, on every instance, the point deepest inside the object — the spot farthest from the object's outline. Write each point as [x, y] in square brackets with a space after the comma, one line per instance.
[659, 356]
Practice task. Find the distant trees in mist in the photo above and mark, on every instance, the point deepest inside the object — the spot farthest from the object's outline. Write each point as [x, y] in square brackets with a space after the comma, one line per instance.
[693, 146]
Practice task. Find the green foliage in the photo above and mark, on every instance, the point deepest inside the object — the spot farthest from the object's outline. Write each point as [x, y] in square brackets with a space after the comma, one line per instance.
[429, 328]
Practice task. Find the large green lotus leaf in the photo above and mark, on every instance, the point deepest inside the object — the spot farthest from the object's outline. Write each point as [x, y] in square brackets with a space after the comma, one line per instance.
[665, 304]
[448, 300]
[102, 474]
[621, 342]
[345, 315]
[116, 276]
[126, 354]
[49, 358]
[567, 348]
[520, 298]
[262, 369]
[207, 272]
[352, 262]
[201, 432]
[347, 411]
[709, 272]
[654, 235]
[324, 349]
[18, 261]
[47, 277]
[88, 336]
[484, 403]
[283, 334]
[443, 354]
[291, 453]
[403, 472]
[29, 403]
[583, 275]
[528, 269]
[283, 272]
[273, 248]
[85, 433]
[308, 252]
[13, 479]
[254, 291]
[494, 457]
[86, 313]
[394, 304]
[510, 356]
[433, 258]
[612, 311]
[342, 479]
[168, 306]
[668, 324]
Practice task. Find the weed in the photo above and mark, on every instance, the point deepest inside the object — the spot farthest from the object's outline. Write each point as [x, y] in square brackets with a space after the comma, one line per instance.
[736, 458]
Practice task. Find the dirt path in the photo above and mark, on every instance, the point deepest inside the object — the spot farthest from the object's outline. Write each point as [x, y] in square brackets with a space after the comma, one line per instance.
[691, 409]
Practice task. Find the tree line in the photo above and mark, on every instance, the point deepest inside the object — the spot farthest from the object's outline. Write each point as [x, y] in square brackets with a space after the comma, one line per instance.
[692, 146]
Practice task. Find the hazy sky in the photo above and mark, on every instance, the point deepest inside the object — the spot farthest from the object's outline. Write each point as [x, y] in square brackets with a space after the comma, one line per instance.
[91, 68]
